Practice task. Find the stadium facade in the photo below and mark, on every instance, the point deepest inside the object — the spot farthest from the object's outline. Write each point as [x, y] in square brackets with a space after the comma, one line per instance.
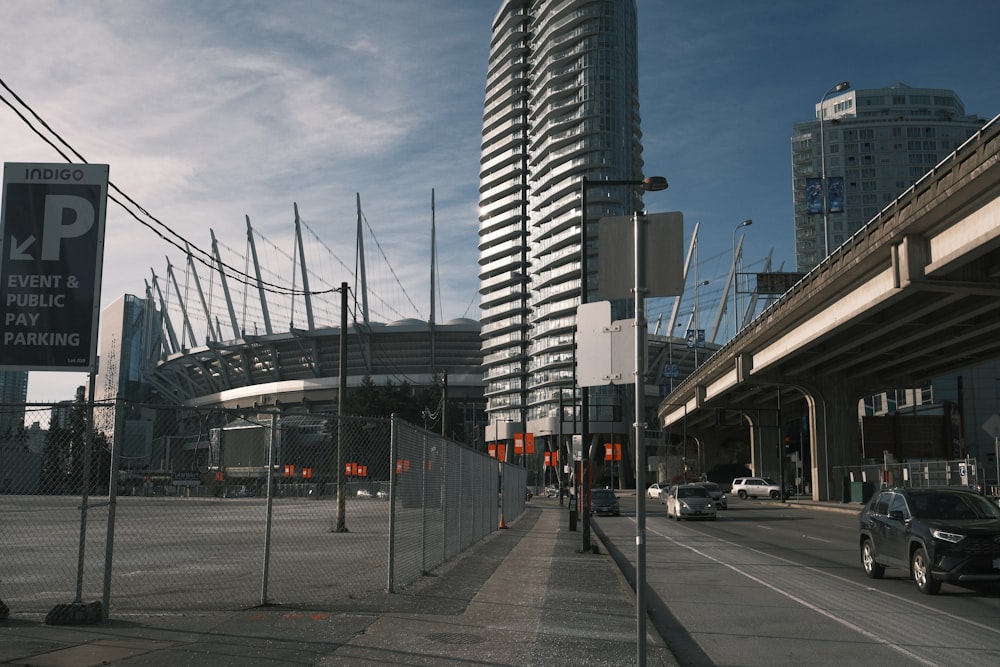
[170, 348]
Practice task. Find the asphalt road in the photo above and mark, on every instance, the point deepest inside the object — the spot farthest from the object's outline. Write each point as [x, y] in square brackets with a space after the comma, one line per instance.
[193, 553]
[770, 584]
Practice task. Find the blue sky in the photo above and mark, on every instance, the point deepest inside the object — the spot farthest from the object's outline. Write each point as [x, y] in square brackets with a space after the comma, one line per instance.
[211, 111]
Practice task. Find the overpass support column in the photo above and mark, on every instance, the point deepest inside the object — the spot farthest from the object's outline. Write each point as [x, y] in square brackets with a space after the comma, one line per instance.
[765, 441]
[833, 434]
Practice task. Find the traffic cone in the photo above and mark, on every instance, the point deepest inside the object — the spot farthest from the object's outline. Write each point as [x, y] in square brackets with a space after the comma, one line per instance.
[503, 524]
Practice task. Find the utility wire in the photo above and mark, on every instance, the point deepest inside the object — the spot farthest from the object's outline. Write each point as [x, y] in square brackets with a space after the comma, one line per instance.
[167, 234]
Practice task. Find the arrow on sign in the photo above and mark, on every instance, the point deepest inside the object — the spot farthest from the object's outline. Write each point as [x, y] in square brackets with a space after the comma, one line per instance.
[17, 251]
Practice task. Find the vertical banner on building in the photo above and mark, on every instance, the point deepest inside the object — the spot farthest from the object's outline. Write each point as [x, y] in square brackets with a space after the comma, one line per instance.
[695, 338]
[814, 196]
[835, 194]
[52, 242]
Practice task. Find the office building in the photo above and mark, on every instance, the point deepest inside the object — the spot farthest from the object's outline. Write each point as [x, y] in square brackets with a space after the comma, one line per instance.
[876, 143]
[561, 104]
[130, 345]
[13, 395]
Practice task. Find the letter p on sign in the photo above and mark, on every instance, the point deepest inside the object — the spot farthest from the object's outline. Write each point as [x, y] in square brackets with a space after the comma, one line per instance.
[53, 229]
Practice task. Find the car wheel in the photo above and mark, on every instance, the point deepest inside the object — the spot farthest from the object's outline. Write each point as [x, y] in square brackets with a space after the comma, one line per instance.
[872, 568]
[775, 495]
[921, 567]
[713, 517]
[742, 494]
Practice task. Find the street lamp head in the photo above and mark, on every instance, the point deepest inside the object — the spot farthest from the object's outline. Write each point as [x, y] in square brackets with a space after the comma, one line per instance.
[654, 183]
[746, 223]
[842, 86]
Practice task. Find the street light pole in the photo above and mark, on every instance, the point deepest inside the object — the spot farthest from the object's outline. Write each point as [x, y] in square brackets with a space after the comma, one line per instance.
[639, 237]
[736, 281]
[697, 287]
[649, 184]
[839, 88]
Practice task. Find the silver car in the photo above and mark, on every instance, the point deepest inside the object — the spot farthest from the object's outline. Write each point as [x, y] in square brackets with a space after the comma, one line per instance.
[718, 495]
[690, 501]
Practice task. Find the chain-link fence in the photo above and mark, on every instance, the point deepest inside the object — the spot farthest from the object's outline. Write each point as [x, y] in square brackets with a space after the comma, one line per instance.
[194, 520]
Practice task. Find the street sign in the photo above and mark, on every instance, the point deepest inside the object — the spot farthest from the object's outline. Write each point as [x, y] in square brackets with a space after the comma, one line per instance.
[51, 257]
[776, 283]
[605, 349]
[992, 426]
[663, 255]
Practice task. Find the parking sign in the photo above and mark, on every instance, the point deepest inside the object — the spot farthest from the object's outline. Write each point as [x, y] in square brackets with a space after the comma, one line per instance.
[51, 257]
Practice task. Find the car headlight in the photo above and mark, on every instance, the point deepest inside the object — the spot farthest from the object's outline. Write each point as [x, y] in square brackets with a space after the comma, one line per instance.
[682, 504]
[946, 536]
[708, 506]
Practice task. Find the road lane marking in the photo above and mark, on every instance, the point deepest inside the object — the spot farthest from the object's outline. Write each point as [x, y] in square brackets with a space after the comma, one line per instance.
[805, 603]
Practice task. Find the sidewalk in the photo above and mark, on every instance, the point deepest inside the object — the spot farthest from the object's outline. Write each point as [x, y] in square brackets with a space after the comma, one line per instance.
[523, 596]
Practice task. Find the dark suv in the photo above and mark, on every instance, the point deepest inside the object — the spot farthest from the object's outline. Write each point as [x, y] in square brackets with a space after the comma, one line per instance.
[937, 534]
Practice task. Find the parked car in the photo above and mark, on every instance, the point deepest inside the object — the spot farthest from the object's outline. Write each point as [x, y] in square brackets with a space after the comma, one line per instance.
[551, 491]
[690, 501]
[935, 534]
[717, 494]
[756, 487]
[604, 501]
[653, 492]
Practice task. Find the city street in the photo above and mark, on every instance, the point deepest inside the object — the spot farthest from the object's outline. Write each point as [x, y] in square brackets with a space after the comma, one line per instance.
[773, 584]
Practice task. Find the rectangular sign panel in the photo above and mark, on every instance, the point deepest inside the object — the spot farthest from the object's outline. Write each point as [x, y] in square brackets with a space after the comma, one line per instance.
[663, 255]
[51, 257]
[814, 196]
[776, 283]
[835, 194]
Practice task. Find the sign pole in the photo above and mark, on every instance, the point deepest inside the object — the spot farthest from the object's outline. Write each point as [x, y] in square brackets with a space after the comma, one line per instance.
[639, 227]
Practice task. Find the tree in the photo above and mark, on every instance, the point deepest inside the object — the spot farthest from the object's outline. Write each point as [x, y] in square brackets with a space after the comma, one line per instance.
[65, 451]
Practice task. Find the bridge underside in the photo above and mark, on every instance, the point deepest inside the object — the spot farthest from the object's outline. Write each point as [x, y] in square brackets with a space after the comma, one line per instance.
[912, 296]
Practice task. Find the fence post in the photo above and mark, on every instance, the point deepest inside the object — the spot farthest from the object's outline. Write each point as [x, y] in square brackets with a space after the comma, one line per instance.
[393, 460]
[109, 548]
[88, 452]
[270, 508]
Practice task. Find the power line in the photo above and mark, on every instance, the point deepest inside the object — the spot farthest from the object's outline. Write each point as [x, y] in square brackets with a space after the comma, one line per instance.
[155, 225]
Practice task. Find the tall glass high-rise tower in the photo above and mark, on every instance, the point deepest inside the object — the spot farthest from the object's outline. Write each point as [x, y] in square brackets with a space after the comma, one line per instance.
[561, 104]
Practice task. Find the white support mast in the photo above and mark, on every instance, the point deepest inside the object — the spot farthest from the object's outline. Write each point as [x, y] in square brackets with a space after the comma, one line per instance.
[310, 323]
[687, 267]
[433, 258]
[260, 281]
[360, 261]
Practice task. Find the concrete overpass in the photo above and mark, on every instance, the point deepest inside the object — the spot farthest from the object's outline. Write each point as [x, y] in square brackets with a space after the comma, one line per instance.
[913, 295]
